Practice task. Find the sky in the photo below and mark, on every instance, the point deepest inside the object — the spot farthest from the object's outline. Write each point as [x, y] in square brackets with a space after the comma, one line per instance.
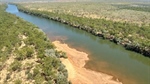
[77, 0]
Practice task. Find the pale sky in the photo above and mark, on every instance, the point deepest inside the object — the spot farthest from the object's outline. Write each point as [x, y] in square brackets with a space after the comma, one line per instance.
[81, 0]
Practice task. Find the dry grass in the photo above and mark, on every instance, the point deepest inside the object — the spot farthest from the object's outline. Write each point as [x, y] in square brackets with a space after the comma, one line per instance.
[94, 10]
[8, 76]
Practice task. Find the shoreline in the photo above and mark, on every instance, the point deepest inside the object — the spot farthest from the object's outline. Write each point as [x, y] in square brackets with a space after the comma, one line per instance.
[128, 45]
[77, 73]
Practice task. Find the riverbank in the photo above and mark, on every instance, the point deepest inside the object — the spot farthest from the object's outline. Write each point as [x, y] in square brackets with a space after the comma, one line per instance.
[75, 66]
[117, 32]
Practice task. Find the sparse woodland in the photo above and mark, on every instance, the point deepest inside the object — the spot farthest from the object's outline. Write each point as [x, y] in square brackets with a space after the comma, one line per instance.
[120, 12]
[27, 55]
[125, 24]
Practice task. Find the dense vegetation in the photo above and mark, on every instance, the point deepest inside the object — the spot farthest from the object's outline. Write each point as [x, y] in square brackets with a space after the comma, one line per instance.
[26, 54]
[130, 35]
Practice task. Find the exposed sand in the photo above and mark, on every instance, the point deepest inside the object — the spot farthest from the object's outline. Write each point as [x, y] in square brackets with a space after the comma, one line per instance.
[75, 66]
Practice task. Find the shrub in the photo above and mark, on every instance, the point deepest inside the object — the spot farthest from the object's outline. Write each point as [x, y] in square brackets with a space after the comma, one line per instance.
[17, 81]
[16, 65]
[25, 52]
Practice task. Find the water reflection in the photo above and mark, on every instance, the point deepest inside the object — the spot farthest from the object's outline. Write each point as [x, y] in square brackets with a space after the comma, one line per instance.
[12, 9]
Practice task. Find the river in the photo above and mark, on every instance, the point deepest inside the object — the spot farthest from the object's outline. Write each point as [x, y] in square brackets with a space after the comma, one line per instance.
[105, 56]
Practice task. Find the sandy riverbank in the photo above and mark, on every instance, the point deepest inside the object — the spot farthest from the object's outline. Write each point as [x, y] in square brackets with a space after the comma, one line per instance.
[75, 66]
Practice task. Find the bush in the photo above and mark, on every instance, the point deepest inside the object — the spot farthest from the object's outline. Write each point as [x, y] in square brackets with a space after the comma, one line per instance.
[17, 81]
[61, 54]
[30, 76]
[25, 52]
[16, 65]
[9, 38]
[61, 79]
